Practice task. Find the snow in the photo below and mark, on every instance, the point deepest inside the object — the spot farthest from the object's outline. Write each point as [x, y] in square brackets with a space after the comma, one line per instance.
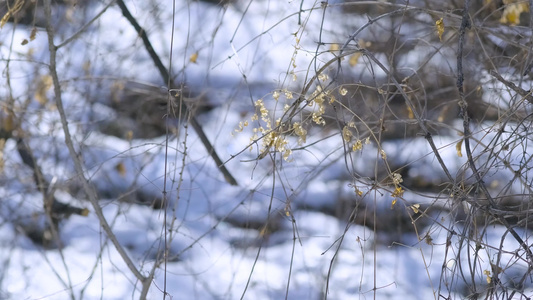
[278, 234]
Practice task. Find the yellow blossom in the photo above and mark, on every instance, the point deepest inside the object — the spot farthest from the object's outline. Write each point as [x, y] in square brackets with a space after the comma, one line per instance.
[383, 154]
[288, 95]
[358, 145]
[318, 119]
[343, 91]
[300, 132]
[323, 77]
[287, 154]
[396, 178]
[276, 95]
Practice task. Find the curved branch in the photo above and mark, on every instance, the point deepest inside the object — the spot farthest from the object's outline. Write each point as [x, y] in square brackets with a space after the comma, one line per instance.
[89, 190]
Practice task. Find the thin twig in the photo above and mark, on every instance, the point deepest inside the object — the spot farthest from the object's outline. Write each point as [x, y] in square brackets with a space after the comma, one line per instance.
[166, 78]
[465, 24]
[512, 86]
[89, 190]
[85, 26]
[409, 103]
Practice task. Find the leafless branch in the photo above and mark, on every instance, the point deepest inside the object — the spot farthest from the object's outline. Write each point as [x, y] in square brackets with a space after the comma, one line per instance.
[166, 78]
[89, 190]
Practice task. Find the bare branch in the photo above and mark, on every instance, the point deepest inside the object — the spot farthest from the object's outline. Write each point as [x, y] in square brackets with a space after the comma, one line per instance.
[512, 86]
[89, 190]
[166, 78]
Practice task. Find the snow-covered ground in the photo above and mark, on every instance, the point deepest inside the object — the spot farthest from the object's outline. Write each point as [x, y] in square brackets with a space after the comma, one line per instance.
[283, 231]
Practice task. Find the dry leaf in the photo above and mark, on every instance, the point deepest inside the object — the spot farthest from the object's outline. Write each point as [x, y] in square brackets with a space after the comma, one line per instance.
[265, 231]
[129, 135]
[443, 113]
[84, 212]
[43, 85]
[4, 19]
[33, 33]
[86, 67]
[354, 59]
[364, 44]
[194, 57]
[121, 169]
[440, 28]
[410, 113]
[458, 148]
[398, 192]
[11, 12]
[487, 273]
[8, 123]
[429, 240]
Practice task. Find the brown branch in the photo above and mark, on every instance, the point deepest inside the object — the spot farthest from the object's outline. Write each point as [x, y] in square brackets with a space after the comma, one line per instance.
[467, 134]
[166, 78]
[512, 86]
[55, 208]
[89, 190]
